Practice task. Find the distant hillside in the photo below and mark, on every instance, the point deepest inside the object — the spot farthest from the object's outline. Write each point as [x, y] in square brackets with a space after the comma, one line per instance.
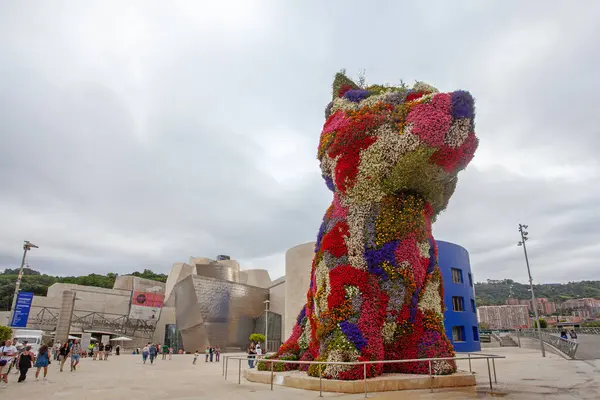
[37, 283]
[494, 292]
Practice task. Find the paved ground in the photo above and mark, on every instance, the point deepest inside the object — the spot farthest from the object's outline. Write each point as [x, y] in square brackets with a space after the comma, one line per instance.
[523, 375]
[589, 347]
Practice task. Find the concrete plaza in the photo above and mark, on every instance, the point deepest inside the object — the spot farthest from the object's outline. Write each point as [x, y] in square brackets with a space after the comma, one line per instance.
[522, 375]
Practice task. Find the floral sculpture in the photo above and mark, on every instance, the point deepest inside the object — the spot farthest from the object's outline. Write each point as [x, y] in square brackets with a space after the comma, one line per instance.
[391, 156]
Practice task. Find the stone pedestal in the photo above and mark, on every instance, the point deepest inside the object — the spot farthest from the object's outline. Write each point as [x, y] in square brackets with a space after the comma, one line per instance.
[65, 316]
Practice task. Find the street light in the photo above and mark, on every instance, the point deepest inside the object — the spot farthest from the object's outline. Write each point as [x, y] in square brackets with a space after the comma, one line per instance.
[266, 326]
[26, 247]
[524, 239]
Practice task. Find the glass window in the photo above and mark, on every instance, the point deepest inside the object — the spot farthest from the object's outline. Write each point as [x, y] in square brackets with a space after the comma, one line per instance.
[458, 333]
[470, 280]
[457, 275]
[473, 308]
[458, 303]
[475, 334]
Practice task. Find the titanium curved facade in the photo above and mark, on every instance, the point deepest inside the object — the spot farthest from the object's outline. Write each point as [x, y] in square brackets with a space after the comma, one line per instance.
[460, 317]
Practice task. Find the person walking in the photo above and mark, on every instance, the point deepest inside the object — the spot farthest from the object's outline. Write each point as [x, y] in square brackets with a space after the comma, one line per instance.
[217, 353]
[251, 355]
[26, 359]
[101, 351]
[63, 355]
[107, 351]
[212, 352]
[75, 355]
[170, 353]
[573, 336]
[7, 353]
[118, 350]
[55, 350]
[563, 334]
[206, 354]
[95, 352]
[42, 361]
[196, 355]
[145, 352]
[152, 352]
[165, 351]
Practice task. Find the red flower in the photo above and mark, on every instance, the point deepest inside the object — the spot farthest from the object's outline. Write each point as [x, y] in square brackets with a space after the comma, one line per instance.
[414, 96]
[333, 241]
[344, 89]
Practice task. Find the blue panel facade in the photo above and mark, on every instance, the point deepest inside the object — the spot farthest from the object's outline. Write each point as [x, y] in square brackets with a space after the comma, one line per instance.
[460, 317]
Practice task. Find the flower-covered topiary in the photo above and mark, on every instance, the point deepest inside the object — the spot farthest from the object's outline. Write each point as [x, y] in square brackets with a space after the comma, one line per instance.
[391, 156]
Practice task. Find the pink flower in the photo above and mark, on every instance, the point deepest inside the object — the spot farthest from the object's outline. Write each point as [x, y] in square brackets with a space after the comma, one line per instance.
[431, 121]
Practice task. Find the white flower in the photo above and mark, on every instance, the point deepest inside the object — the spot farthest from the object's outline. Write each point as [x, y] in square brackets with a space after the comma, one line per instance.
[341, 103]
[357, 216]
[387, 332]
[304, 338]
[424, 87]
[431, 299]
[323, 287]
[378, 160]
[458, 132]
[333, 370]
[351, 291]
[424, 248]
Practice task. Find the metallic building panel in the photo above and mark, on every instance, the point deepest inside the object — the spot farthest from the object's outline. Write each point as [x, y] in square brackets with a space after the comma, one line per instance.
[217, 312]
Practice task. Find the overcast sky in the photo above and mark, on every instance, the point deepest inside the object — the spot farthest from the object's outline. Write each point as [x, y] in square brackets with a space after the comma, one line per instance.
[137, 134]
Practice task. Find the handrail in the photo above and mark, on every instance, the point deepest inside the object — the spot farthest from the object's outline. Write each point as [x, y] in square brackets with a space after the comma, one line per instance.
[271, 362]
[565, 346]
[581, 331]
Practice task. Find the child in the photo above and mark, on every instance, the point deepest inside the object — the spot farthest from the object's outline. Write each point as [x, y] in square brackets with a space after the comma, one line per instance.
[196, 355]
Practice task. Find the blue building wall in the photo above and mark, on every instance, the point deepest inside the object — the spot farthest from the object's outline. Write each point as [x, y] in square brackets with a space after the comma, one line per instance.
[461, 326]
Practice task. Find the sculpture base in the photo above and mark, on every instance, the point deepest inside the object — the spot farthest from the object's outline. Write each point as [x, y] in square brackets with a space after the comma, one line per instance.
[383, 383]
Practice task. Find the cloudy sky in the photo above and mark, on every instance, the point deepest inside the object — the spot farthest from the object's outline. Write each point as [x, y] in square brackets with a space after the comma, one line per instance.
[136, 134]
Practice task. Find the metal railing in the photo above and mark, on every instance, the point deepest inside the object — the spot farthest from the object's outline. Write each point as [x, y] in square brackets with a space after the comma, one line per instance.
[497, 338]
[565, 346]
[470, 357]
[580, 331]
[117, 323]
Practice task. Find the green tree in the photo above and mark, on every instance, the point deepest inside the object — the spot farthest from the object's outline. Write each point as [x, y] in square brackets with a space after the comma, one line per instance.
[257, 338]
[543, 323]
[5, 333]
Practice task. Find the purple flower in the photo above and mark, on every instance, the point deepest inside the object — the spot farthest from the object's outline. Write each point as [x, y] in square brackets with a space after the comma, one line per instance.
[432, 260]
[376, 257]
[356, 95]
[320, 235]
[396, 98]
[301, 316]
[353, 334]
[328, 109]
[462, 104]
[329, 183]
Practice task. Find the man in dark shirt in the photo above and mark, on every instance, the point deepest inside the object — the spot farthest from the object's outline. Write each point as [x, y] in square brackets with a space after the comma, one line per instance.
[107, 350]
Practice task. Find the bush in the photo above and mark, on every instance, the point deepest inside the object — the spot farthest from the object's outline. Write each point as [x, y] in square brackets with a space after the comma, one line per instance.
[278, 367]
[257, 338]
[5, 333]
[543, 323]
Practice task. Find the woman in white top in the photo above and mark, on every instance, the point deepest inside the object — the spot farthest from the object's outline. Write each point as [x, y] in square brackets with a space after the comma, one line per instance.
[7, 353]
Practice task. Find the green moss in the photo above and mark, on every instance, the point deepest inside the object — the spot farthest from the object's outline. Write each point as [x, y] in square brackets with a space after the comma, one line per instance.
[339, 81]
[414, 172]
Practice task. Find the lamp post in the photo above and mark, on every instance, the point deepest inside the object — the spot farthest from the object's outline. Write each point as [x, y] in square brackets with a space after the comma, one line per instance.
[26, 247]
[266, 326]
[524, 238]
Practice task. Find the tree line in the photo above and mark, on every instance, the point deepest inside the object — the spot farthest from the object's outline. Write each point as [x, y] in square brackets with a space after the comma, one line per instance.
[496, 292]
[38, 283]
